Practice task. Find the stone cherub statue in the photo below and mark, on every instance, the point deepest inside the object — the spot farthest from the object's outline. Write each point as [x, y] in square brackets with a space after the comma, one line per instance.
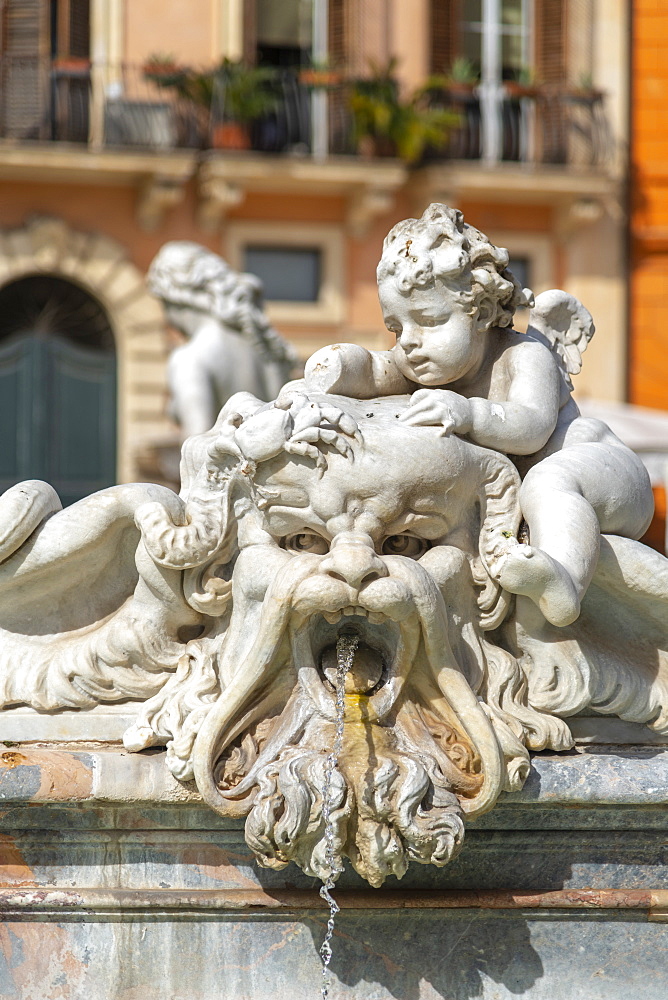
[230, 346]
[218, 613]
[447, 295]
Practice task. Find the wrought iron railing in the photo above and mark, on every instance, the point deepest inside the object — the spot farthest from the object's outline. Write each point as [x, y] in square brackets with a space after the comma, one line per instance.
[127, 107]
[551, 125]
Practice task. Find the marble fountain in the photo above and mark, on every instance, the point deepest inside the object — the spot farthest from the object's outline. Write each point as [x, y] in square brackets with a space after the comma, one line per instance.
[394, 639]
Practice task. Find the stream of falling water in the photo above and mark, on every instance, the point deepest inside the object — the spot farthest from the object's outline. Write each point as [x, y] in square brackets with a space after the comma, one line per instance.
[345, 654]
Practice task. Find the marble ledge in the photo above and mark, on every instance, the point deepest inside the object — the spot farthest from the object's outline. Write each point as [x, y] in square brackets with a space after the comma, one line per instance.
[42, 774]
[107, 723]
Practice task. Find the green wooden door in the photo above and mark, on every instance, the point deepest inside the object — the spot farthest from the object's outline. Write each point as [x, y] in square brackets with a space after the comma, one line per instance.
[57, 414]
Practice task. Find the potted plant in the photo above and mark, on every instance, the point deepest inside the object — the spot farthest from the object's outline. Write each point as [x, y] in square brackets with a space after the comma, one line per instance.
[162, 70]
[319, 76]
[584, 91]
[386, 124]
[71, 66]
[524, 86]
[462, 77]
[241, 95]
[227, 99]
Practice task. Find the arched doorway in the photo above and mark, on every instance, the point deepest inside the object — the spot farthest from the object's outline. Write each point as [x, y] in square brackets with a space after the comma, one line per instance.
[57, 387]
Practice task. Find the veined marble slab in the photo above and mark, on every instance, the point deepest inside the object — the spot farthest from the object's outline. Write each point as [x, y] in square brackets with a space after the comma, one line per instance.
[107, 723]
[117, 883]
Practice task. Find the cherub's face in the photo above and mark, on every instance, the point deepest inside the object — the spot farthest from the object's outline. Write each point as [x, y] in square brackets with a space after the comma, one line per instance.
[438, 341]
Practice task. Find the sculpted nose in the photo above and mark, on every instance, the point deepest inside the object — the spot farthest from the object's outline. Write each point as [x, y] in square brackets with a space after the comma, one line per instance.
[409, 338]
[352, 558]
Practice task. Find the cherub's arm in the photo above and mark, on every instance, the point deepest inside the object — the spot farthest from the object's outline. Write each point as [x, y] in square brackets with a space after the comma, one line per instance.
[350, 370]
[521, 424]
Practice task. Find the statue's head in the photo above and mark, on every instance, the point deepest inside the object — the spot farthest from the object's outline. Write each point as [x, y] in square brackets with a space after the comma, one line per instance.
[192, 281]
[442, 285]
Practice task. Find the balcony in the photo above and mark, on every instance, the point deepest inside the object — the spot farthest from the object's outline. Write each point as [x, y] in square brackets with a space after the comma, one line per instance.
[514, 124]
[77, 122]
[123, 108]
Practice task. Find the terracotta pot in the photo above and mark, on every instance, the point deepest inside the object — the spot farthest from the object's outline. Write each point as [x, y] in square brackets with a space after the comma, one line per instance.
[319, 78]
[369, 147]
[161, 70]
[71, 66]
[583, 96]
[230, 135]
[460, 89]
[518, 90]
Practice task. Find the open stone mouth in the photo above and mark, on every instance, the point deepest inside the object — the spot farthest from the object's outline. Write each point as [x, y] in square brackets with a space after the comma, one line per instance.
[374, 655]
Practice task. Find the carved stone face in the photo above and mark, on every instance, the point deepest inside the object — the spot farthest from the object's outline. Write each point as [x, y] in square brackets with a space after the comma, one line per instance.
[407, 491]
[364, 535]
[385, 543]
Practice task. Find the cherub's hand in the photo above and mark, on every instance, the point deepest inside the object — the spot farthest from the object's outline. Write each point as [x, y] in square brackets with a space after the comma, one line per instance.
[297, 425]
[314, 425]
[439, 408]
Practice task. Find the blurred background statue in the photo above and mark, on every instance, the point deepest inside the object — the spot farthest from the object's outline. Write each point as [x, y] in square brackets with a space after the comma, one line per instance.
[230, 345]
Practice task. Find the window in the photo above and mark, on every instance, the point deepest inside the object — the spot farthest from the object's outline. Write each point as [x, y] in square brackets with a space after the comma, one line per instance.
[44, 69]
[284, 32]
[521, 268]
[495, 37]
[532, 263]
[289, 274]
[300, 264]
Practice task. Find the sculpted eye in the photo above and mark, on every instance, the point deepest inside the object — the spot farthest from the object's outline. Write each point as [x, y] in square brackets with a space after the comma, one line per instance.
[306, 541]
[404, 545]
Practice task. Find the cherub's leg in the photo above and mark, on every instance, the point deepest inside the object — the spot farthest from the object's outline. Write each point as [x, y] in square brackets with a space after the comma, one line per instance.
[555, 569]
[567, 500]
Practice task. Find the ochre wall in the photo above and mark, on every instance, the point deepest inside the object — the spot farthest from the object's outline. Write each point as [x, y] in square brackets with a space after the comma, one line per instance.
[111, 210]
[158, 27]
[648, 347]
[648, 367]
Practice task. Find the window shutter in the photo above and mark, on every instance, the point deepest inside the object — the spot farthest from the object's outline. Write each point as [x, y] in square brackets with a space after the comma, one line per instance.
[24, 77]
[22, 29]
[550, 49]
[250, 32]
[444, 18]
[551, 41]
[337, 32]
[79, 29]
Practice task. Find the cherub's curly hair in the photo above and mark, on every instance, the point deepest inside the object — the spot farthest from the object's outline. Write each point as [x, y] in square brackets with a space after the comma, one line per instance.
[441, 248]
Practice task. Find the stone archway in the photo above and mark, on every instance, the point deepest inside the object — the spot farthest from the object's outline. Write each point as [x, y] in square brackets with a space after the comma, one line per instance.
[101, 266]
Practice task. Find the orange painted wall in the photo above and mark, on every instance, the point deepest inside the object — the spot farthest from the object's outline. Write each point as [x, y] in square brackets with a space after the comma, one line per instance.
[95, 208]
[156, 27]
[111, 210]
[506, 216]
[648, 348]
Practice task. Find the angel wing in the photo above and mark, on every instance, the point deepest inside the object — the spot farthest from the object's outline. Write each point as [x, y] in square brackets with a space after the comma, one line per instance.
[560, 321]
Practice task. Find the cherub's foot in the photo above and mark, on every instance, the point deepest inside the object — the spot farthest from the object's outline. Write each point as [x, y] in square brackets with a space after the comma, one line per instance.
[532, 572]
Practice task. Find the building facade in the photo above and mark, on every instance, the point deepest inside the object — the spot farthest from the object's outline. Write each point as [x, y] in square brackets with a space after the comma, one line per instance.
[105, 155]
[648, 344]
